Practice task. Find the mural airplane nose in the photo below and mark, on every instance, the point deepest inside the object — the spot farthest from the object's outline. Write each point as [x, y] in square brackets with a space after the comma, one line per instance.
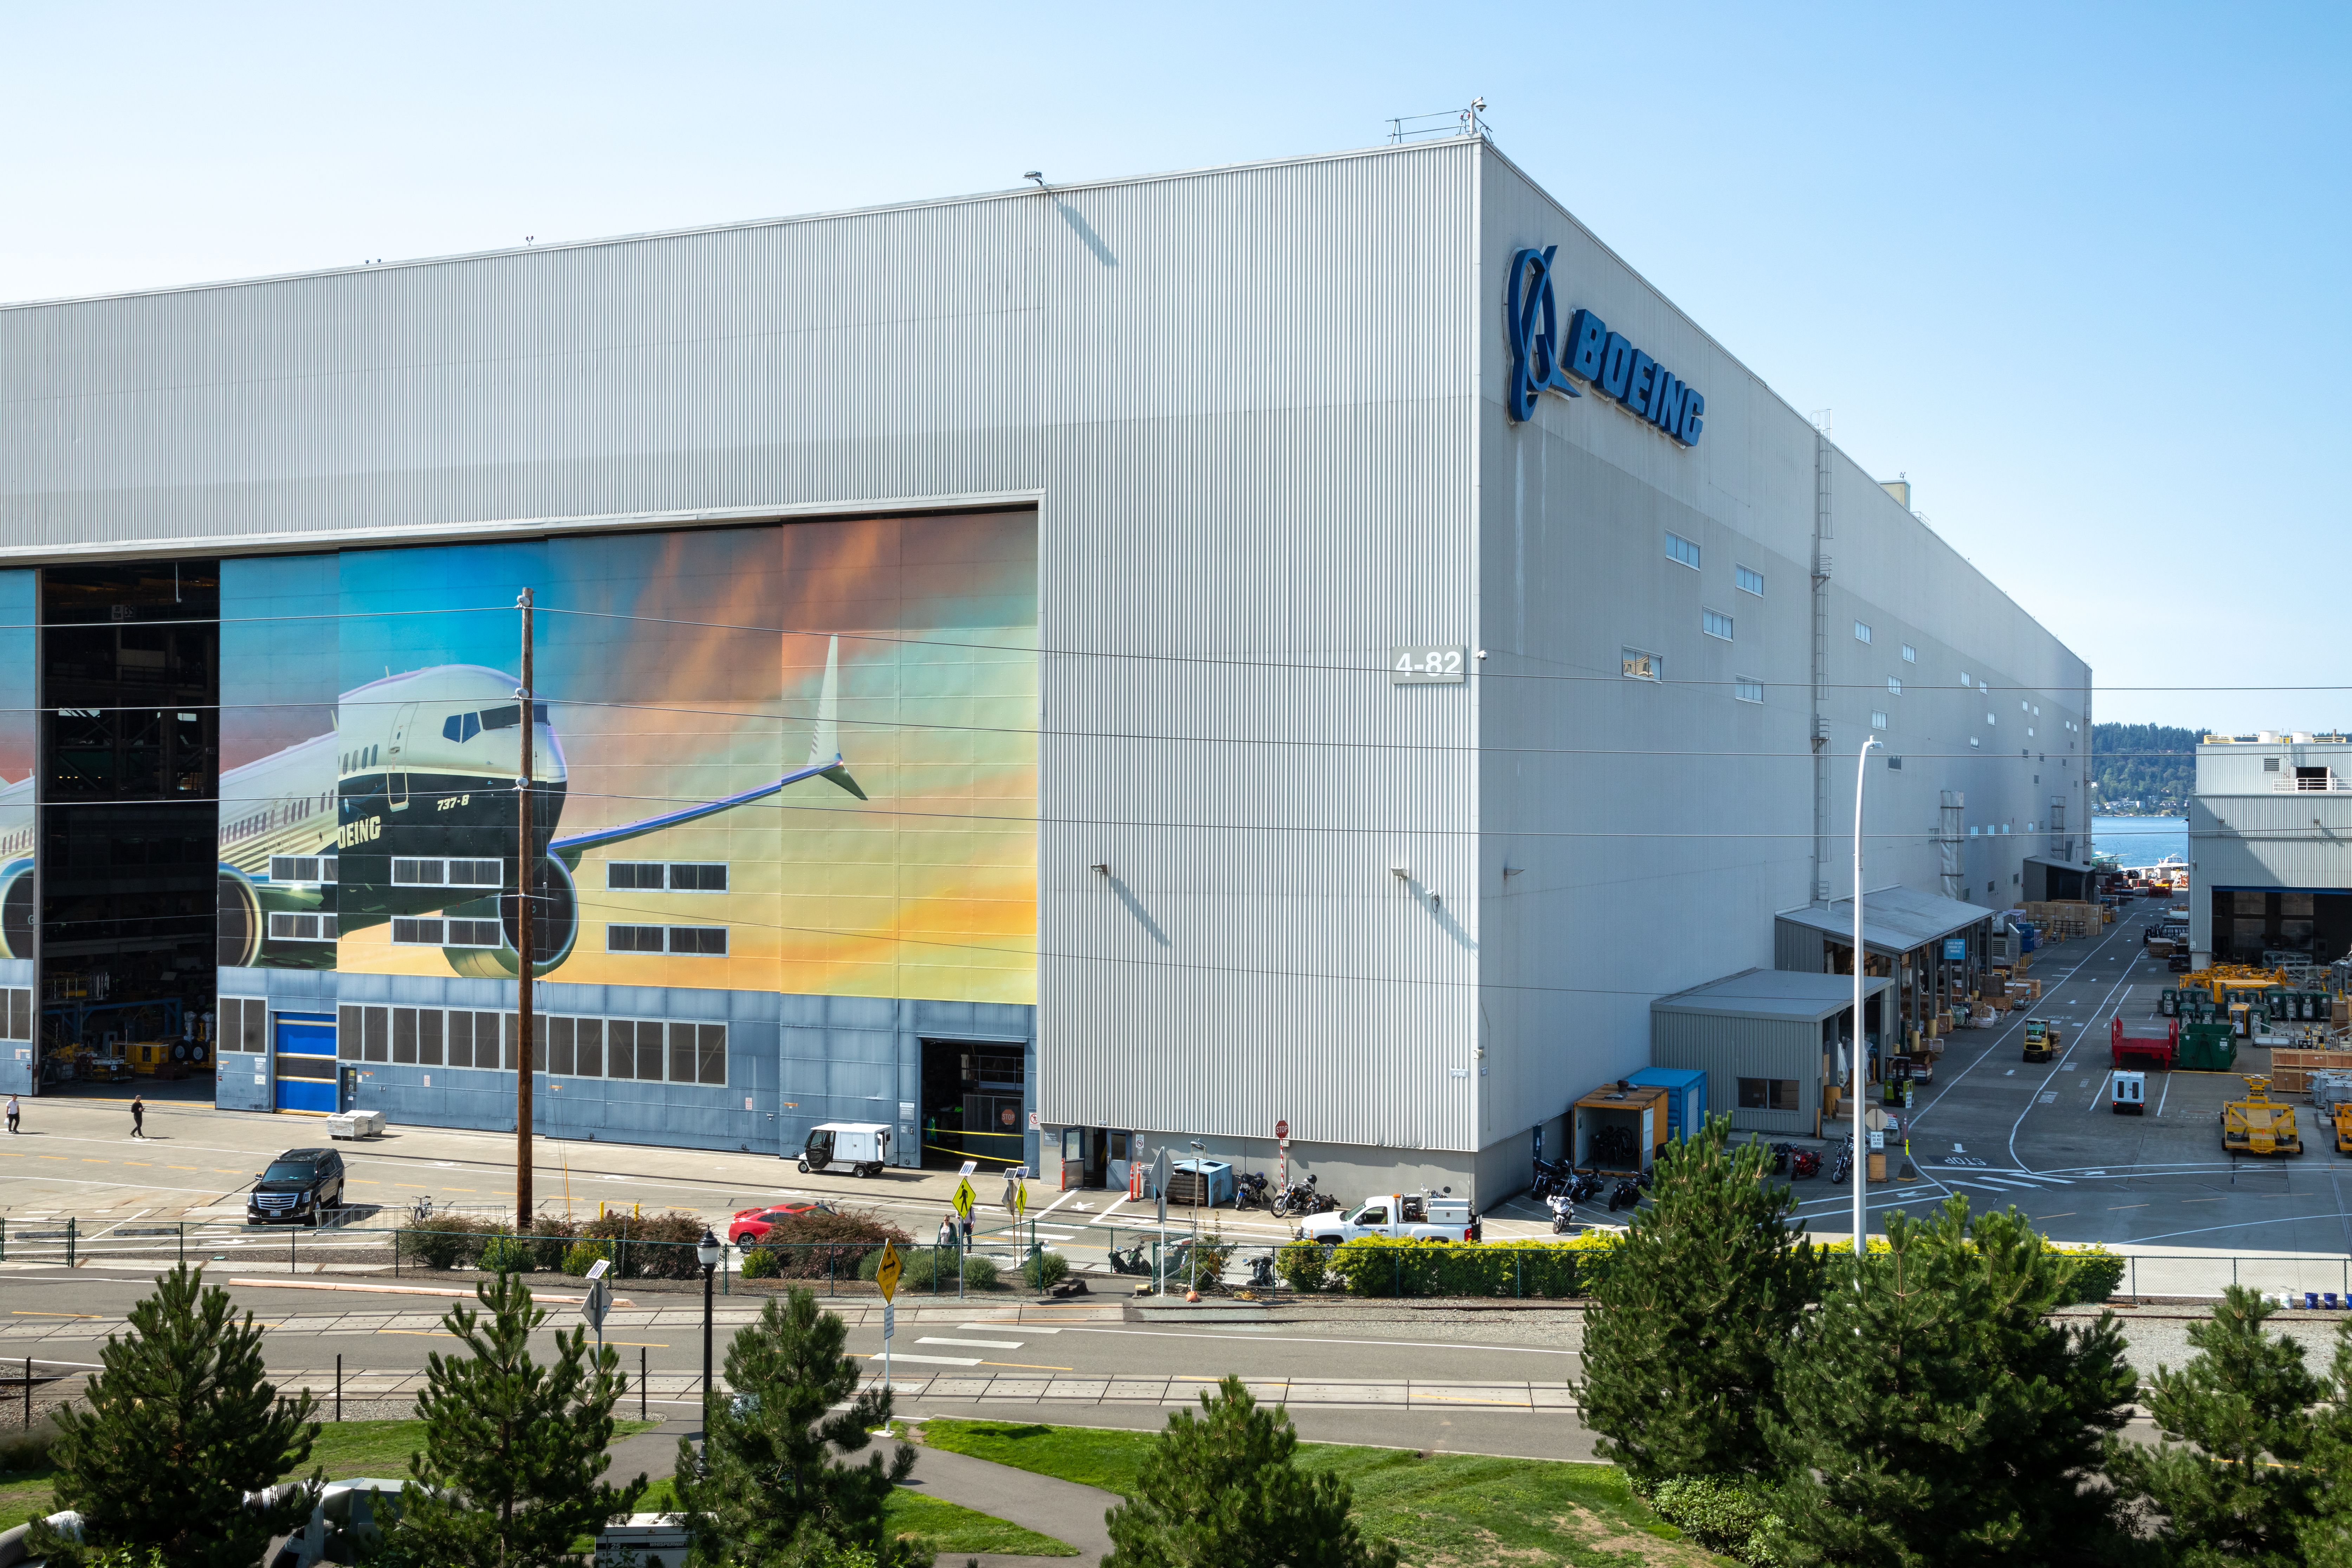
[396, 780]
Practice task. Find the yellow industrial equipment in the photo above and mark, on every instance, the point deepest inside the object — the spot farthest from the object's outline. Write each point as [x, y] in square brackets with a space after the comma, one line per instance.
[2041, 1037]
[2344, 1127]
[2258, 1124]
[2228, 982]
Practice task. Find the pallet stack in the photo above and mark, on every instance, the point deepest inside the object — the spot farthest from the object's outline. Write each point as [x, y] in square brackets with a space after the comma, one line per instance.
[2064, 919]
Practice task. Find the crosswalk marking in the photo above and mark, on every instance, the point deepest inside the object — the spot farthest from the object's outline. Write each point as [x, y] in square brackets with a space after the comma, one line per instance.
[973, 1344]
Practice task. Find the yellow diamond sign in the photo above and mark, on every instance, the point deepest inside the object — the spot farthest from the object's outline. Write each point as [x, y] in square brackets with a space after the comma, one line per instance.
[963, 1198]
[886, 1274]
[1020, 1199]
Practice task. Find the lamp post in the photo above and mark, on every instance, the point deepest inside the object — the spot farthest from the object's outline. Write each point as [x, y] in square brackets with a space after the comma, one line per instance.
[1200, 1180]
[1861, 1040]
[707, 1251]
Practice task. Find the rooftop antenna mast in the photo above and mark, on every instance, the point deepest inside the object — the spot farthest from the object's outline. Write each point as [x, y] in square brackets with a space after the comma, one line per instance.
[1468, 122]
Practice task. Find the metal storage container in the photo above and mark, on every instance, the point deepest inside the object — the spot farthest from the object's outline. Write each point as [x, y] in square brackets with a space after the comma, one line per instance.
[1685, 1096]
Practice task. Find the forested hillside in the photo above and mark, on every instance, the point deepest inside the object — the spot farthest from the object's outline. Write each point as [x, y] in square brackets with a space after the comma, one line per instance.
[2153, 764]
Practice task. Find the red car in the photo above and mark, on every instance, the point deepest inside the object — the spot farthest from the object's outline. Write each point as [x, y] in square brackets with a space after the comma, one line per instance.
[750, 1225]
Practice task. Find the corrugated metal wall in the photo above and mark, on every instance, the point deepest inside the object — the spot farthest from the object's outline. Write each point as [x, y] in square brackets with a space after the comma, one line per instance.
[1240, 402]
[1729, 1049]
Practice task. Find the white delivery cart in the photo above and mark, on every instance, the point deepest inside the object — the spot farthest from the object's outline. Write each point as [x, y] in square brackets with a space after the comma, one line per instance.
[859, 1148]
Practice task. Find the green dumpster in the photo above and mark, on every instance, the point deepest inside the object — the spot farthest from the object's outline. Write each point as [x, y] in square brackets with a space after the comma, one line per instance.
[2207, 1046]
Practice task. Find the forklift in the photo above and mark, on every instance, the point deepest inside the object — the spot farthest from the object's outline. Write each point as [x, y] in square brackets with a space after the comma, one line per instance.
[2041, 1037]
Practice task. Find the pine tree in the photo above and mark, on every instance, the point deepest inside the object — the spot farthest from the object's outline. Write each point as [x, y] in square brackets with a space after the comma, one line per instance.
[182, 1425]
[1220, 1490]
[513, 1450]
[2327, 1531]
[766, 1489]
[1710, 1279]
[1933, 1417]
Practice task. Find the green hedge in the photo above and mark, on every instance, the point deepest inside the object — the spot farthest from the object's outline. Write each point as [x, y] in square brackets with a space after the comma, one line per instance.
[1379, 1266]
[2092, 1273]
[929, 1269]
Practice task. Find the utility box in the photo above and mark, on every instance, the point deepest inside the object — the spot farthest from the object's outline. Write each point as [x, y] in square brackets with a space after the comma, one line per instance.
[1685, 1096]
[1620, 1126]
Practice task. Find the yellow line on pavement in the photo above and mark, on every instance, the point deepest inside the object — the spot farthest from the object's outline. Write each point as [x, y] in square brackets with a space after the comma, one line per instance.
[1028, 1367]
[13, 1313]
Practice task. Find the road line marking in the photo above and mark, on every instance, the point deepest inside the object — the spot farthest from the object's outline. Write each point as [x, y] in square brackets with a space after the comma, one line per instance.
[931, 1360]
[1028, 1367]
[974, 1344]
[405, 1291]
[1024, 1327]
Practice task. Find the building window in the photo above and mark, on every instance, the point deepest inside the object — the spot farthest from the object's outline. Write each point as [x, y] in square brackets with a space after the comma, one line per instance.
[1862, 631]
[1974, 741]
[698, 940]
[1990, 720]
[1964, 678]
[301, 868]
[1893, 764]
[1893, 686]
[654, 876]
[449, 874]
[1878, 721]
[1747, 688]
[1641, 666]
[1910, 654]
[1715, 624]
[1682, 550]
[1751, 581]
[1768, 1094]
[284, 927]
[2270, 764]
[435, 932]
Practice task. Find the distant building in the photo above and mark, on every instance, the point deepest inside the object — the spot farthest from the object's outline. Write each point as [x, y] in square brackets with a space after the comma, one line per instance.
[2269, 848]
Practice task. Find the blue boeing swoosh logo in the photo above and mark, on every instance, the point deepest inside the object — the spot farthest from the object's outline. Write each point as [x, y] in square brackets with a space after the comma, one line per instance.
[1532, 319]
[1544, 358]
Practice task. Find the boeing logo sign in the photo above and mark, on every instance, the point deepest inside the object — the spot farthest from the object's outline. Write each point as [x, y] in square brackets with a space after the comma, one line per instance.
[1542, 360]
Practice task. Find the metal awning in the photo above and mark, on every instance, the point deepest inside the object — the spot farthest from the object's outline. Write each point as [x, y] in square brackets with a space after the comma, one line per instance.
[1894, 919]
[1782, 995]
[2050, 862]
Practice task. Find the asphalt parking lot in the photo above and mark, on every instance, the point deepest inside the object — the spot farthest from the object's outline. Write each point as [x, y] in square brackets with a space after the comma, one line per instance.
[2040, 1136]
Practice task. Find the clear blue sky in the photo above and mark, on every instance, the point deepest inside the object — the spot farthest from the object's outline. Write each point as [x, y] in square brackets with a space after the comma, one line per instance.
[2080, 271]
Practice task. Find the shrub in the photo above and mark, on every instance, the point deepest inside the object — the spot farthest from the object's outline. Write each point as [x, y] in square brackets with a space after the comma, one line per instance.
[822, 1246]
[1303, 1266]
[929, 1267]
[653, 1247]
[582, 1256]
[505, 1253]
[760, 1263]
[1722, 1516]
[443, 1241]
[2091, 1274]
[548, 1240]
[1381, 1266]
[1045, 1269]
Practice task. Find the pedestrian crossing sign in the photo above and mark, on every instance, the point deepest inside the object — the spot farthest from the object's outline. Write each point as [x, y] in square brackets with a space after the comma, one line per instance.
[1020, 1200]
[962, 1199]
[886, 1274]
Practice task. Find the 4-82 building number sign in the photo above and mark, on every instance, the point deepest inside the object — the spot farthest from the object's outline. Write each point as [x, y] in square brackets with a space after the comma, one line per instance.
[1423, 665]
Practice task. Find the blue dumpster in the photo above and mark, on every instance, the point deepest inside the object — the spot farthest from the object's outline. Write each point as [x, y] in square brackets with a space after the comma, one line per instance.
[1685, 1096]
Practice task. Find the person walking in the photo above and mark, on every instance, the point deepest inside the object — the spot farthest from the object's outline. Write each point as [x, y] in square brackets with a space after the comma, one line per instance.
[138, 1117]
[13, 1113]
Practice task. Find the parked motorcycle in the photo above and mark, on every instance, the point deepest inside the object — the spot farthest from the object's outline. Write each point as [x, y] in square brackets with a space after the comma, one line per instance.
[1625, 1194]
[1780, 1152]
[1563, 1214]
[1261, 1276]
[1301, 1198]
[1586, 1188]
[1551, 1176]
[1841, 1171]
[1130, 1259]
[1804, 1164]
[1252, 1190]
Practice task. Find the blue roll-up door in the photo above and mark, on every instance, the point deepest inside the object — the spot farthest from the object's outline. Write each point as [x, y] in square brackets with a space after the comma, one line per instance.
[304, 1044]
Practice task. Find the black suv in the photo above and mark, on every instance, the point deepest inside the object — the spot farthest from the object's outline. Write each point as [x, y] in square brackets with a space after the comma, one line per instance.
[300, 1184]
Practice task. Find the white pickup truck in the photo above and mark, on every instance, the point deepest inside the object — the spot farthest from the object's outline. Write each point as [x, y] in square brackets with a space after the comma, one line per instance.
[1436, 1216]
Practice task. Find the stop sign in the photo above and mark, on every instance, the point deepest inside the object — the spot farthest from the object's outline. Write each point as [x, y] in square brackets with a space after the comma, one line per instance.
[1282, 1128]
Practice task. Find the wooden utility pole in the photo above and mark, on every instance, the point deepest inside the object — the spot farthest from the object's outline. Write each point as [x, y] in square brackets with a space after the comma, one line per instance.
[525, 870]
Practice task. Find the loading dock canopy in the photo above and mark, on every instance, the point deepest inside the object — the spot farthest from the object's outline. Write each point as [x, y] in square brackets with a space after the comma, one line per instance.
[2049, 879]
[1895, 921]
[1785, 994]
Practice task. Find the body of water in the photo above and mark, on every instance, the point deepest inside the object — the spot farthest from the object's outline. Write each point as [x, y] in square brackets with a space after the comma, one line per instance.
[2140, 840]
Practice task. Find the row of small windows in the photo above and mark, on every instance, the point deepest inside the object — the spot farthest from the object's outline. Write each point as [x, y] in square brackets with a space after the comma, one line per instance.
[647, 1050]
[673, 876]
[288, 927]
[436, 931]
[302, 867]
[1715, 624]
[709, 941]
[1746, 690]
[1686, 551]
[1751, 581]
[449, 874]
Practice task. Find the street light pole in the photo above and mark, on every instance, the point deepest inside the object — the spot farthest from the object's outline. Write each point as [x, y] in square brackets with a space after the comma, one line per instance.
[1857, 1073]
[707, 1252]
[523, 923]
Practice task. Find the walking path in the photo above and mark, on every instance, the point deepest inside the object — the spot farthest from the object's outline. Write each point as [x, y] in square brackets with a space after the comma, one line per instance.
[1063, 1510]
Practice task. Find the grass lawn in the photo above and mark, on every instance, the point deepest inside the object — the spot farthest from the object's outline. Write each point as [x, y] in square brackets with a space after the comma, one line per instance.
[950, 1527]
[344, 1450]
[1448, 1511]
